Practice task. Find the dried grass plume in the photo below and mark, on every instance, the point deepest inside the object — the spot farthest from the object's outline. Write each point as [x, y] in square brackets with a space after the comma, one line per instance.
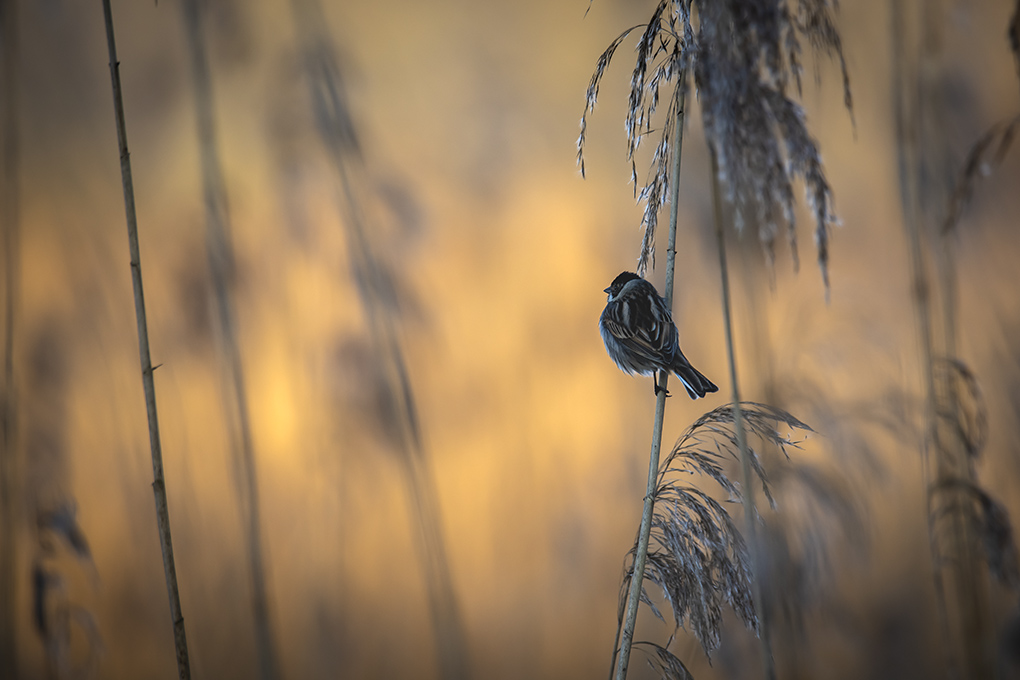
[745, 56]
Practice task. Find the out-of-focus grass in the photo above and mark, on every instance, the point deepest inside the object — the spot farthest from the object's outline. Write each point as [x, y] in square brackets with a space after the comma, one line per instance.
[516, 394]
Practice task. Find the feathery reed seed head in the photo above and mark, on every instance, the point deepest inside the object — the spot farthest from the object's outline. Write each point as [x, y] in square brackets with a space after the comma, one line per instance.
[697, 555]
[744, 55]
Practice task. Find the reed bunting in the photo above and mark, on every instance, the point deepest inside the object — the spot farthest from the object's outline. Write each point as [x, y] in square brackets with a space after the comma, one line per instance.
[641, 337]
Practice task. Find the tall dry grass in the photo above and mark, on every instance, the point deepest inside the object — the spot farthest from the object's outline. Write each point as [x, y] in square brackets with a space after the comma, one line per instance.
[744, 58]
[222, 271]
[699, 558]
[969, 532]
[522, 585]
[147, 369]
[10, 527]
[375, 279]
[68, 630]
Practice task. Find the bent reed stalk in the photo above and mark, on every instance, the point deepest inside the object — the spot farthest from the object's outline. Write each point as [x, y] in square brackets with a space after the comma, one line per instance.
[158, 483]
[641, 556]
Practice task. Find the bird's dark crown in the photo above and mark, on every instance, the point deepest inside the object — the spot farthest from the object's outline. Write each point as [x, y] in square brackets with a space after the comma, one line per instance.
[620, 281]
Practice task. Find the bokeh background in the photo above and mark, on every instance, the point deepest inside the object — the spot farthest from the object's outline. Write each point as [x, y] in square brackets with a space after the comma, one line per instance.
[466, 117]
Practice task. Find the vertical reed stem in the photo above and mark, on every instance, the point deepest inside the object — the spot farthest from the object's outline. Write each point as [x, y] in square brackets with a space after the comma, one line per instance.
[9, 219]
[221, 268]
[450, 641]
[641, 554]
[158, 484]
[329, 103]
[959, 580]
[750, 514]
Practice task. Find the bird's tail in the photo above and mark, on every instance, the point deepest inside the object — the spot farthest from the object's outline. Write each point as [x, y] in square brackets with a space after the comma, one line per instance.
[697, 385]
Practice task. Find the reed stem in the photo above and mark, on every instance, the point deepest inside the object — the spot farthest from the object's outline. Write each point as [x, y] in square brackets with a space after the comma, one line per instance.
[9, 222]
[959, 581]
[750, 513]
[329, 104]
[158, 483]
[641, 554]
[219, 251]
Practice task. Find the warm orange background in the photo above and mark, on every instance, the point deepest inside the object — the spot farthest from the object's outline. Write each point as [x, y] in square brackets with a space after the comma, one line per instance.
[468, 113]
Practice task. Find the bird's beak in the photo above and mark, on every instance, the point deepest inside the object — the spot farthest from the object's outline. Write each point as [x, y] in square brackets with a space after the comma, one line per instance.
[606, 290]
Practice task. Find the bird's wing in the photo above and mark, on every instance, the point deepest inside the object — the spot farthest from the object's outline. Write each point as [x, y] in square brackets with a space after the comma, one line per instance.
[652, 320]
[615, 326]
[638, 318]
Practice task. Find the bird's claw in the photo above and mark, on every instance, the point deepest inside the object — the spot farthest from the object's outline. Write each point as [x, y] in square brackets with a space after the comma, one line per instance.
[660, 389]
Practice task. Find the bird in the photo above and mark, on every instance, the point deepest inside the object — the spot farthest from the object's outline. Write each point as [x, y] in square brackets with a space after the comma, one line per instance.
[641, 337]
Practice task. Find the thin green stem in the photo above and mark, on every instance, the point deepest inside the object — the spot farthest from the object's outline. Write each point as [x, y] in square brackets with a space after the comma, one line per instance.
[750, 514]
[158, 483]
[641, 554]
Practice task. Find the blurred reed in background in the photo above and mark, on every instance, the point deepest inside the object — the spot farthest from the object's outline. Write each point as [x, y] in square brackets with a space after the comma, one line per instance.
[480, 274]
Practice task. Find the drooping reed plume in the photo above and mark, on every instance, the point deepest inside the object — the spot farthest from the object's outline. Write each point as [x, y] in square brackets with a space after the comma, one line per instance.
[55, 615]
[9, 223]
[966, 526]
[697, 556]
[989, 150]
[148, 384]
[375, 280]
[220, 254]
[745, 57]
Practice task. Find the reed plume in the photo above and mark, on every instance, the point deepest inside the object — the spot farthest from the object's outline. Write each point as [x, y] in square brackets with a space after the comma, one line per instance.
[55, 615]
[744, 56]
[57, 619]
[697, 555]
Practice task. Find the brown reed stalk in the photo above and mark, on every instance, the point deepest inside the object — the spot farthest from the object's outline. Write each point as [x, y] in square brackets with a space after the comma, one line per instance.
[622, 659]
[948, 474]
[979, 525]
[339, 137]
[9, 219]
[155, 445]
[745, 57]
[956, 462]
[904, 74]
[220, 254]
[750, 512]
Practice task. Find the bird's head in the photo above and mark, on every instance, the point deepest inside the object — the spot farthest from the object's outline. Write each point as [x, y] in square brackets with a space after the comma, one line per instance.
[619, 282]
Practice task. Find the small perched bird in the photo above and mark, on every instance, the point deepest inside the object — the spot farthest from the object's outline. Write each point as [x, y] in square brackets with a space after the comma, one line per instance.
[641, 337]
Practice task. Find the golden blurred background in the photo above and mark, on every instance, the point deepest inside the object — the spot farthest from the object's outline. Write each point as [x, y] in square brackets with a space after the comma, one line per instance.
[466, 117]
